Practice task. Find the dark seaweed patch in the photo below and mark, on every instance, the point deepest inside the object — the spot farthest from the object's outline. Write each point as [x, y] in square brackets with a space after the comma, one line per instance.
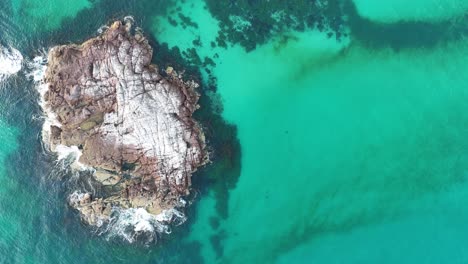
[186, 21]
[404, 34]
[253, 22]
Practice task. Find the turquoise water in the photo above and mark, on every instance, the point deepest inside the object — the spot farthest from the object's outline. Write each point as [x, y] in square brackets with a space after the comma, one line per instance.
[7, 224]
[352, 151]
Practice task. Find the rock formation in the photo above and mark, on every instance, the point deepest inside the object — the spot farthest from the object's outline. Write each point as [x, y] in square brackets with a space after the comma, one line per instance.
[133, 126]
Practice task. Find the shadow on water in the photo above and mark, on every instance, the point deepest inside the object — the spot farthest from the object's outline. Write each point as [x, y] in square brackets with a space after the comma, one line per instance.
[221, 175]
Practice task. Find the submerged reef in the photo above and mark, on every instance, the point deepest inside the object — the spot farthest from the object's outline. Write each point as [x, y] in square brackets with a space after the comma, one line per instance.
[131, 124]
[254, 22]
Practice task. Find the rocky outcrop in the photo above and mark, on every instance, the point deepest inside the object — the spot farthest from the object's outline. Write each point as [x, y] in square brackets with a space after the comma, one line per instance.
[133, 126]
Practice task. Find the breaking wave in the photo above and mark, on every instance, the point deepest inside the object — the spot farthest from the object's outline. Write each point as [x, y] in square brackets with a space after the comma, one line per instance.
[36, 72]
[136, 224]
[10, 61]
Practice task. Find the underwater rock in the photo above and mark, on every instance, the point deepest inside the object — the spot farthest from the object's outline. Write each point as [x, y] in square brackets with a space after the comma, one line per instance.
[133, 126]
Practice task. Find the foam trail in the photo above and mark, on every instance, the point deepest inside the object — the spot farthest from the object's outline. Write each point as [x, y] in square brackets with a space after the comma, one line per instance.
[102, 29]
[134, 223]
[72, 153]
[37, 68]
[10, 61]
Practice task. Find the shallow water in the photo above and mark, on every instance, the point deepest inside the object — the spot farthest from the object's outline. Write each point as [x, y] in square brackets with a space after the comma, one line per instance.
[350, 152]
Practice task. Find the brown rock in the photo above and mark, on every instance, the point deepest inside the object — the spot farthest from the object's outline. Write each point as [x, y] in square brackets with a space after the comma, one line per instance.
[114, 105]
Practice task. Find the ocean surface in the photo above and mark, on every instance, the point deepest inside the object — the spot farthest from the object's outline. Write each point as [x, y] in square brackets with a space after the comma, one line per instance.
[328, 146]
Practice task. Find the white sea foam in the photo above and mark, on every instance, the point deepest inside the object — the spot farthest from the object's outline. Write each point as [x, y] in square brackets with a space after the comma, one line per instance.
[76, 197]
[130, 224]
[129, 19]
[133, 224]
[73, 154]
[37, 68]
[102, 29]
[10, 61]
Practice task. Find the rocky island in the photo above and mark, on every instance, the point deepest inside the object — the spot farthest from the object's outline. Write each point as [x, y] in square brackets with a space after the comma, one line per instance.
[132, 125]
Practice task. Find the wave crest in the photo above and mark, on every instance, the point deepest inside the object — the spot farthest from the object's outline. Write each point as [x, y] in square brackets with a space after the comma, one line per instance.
[10, 61]
[136, 224]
